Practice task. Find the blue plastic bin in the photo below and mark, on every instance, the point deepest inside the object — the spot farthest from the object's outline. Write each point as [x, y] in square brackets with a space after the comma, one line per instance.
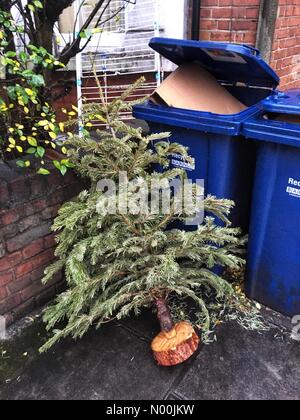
[223, 158]
[273, 271]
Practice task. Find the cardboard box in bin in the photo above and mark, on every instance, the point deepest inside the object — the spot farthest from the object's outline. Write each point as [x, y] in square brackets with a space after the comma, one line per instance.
[289, 118]
[192, 87]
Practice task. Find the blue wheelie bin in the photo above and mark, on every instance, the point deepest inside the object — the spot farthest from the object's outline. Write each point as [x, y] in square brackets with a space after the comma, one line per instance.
[223, 158]
[273, 271]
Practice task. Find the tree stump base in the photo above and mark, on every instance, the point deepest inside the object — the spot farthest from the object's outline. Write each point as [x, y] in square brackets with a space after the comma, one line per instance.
[176, 346]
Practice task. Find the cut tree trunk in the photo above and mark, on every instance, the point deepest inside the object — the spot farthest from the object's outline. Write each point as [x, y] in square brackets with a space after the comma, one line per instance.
[176, 343]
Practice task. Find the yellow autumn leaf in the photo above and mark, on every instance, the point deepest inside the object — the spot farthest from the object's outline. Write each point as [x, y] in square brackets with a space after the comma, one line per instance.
[12, 141]
[53, 135]
[23, 138]
[26, 110]
[62, 127]
[29, 91]
[32, 141]
[43, 123]
[19, 149]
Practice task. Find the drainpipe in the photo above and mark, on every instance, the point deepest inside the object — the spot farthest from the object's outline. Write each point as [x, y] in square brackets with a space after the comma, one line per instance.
[196, 10]
[266, 27]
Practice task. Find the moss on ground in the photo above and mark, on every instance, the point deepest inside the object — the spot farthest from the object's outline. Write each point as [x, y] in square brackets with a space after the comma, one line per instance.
[17, 352]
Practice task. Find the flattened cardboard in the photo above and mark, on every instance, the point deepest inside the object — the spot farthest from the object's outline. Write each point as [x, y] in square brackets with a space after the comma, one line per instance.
[192, 87]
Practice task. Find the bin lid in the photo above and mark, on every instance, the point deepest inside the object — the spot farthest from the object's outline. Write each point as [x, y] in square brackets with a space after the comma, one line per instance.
[227, 62]
[283, 102]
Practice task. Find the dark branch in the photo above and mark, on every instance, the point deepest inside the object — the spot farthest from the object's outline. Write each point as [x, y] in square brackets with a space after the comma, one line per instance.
[74, 47]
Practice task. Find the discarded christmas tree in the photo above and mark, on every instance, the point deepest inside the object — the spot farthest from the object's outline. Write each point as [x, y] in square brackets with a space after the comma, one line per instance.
[119, 255]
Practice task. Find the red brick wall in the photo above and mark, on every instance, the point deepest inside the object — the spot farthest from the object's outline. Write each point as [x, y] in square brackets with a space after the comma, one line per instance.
[286, 47]
[229, 20]
[28, 205]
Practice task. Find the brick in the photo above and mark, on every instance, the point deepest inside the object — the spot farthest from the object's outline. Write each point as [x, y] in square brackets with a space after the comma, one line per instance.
[46, 296]
[38, 186]
[33, 290]
[6, 277]
[246, 25]
[209, 24]
[44, 258]
[4, 195]
[3, 293]
[49, 241]
[10, 216]
[26, 238]
[10, 303]
[9, 231]
[221, 13]
[28, 222]
[2, 250]
[224, 25]
[20, 284]
[20, 190]
[28, 205]
[33, 249]
[24, 309]
[9, 261]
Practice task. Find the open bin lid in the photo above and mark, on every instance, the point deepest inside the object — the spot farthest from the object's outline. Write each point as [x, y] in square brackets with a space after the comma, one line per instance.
[283, 102]
[231, 63]
[284, 128]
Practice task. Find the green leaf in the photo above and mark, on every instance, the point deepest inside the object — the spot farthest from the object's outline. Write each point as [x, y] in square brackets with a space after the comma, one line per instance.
[57, 164]
[86, 34]
[63, 170]
[38, 4]
[32, 141]
[31, 150]
[40, 151]
[33, 48]
[11, 54]
[11, 90]
[38, 80]
[23, 56]
[67, 163]
[43, 171]
[21, 163]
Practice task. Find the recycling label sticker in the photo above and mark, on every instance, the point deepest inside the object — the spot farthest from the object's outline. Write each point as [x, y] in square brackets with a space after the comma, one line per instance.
[293, 188]
[178, 161]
